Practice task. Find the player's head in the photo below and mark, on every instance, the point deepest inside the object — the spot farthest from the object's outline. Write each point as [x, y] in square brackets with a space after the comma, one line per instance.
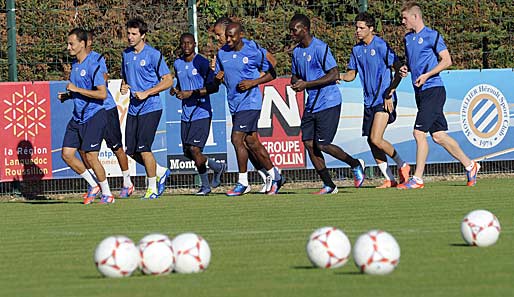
[187, 44]
[364, 25]
[77, 41]
[412, 17]
[219, 29]
[234, 35]
[299, 27]
[136, 30]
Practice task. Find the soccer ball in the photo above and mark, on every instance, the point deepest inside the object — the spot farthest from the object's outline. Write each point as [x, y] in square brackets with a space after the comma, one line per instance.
[116, 256]
[156, 254]
[376, 252]
[328, 247]
[192, 253]
[480, 228]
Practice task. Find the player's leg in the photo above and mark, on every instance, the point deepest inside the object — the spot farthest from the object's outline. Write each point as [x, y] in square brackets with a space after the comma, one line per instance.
[71, 143]
[92, 133]
[308, 128]
[439, 135]
[113, 139]
[376, 125]
[327, 122]
[145, 135]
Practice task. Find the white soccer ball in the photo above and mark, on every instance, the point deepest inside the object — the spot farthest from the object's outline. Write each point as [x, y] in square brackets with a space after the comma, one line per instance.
[156, 254]
[116, 256]
[192, 253]
[480, 228]
[376, 252]
[328, 247]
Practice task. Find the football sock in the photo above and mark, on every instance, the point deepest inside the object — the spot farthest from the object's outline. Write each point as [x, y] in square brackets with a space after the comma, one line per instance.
[127, 183]
[89, 178]
[396, 157]
[204, 179]
[243, 179]
[386, 170]
[104, 185]
[214, 165]
[152, 184]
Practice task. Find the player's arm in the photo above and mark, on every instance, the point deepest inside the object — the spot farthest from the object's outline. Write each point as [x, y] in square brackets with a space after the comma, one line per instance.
[165, 83]
[349, 75]
[445, 62]
[396, 79]
[331, 76]
[99, 92]
[268, 76]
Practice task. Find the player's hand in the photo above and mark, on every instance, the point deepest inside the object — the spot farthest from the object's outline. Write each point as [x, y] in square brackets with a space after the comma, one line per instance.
[140, 95]
[71, 87]
[184, 94]
[173, 91]
[63, 96]
[220, 75]
[299, 85]
[404, 71]
[124, 89]
[421, 80]
[213, 63]
[245, 85]
[388, 104]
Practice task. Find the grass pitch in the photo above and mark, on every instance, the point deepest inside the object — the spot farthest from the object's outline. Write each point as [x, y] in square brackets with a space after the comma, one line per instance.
[258, 243]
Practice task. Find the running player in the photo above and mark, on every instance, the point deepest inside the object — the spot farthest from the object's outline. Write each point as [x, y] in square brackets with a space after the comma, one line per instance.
[195, 81]
[423, 48]
[373, 59]
[314, 69]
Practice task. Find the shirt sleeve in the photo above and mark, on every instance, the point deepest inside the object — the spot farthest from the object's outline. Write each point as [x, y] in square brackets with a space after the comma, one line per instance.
[440, 46]
[330, 61]
[206, 72]
[163, 67]
[293, 65]
[98, 76]
[352, 64]
[391, 56]
[266, 65]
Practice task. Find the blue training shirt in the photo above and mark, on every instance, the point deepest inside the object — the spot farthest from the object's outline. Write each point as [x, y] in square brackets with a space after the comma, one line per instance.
[246, 64]
[190, 76]
[109, 102]
[373, 62]
[143, 71]
[307, 64]
[422, 51]
[86, 75]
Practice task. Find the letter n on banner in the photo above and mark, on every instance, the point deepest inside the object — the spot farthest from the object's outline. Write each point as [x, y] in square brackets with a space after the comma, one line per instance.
[279, 124]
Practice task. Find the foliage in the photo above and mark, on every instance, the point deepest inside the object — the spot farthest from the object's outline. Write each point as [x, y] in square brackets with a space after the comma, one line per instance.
[42, 27]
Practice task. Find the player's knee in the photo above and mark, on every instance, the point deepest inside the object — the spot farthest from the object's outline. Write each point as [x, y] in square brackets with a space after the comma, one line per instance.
[439, 137]
[308, 144]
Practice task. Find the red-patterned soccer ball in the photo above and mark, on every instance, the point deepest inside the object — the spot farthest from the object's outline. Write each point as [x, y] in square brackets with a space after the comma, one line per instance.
[328, 247]
[376, 252]
[192, 253]
[116, 256]
[480, 228]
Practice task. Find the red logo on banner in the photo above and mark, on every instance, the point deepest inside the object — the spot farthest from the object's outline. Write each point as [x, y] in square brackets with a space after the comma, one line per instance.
[279, 124]
[26, 137]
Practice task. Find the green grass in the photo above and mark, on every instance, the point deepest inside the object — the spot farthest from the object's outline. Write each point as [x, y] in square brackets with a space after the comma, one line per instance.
[258, 243]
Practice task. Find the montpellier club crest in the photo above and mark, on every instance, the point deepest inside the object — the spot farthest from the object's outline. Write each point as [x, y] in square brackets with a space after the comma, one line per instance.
[484, 116]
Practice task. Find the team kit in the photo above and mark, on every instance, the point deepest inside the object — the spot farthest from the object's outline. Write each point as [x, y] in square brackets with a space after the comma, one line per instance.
[241, 65]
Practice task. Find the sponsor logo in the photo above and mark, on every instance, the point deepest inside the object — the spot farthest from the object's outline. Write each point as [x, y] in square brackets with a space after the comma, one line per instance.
[95, 145]
[141, 146]
[242, 126]
[484, 115]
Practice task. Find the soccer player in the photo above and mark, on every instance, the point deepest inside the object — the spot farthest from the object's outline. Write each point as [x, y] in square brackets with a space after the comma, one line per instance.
[195, 81]
[423, 47]
[239, 64]
[85, 130]
[314, 69]
[219, 30]
[145, 73]
[112, 136]
[373, 59]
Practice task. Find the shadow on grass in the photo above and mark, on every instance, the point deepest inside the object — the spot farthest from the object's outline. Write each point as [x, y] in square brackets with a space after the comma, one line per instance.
[304, 267]
[459, 244]
[349, 273]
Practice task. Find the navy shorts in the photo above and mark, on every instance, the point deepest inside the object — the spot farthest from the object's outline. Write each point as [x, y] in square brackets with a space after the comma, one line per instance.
[87, 136]
[140, 131]
[245, 121]
[430, 116]
[195, 133]
[112, 135]
[321, 126]
[369, 116]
